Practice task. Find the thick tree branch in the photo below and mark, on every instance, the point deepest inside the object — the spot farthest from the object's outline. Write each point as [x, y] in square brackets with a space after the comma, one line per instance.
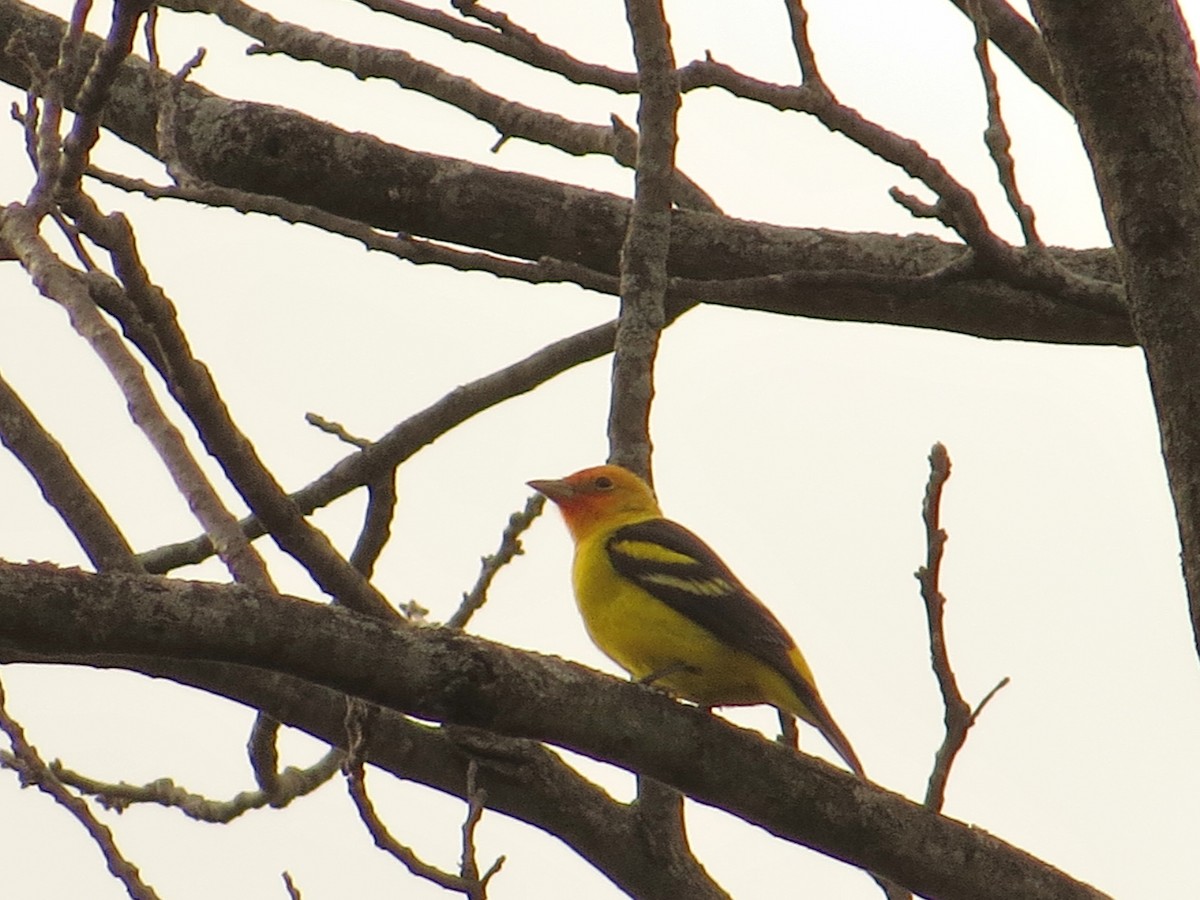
[523, 779]
[510, 118]
[269, 150]
[1121, 64]
[443, 675]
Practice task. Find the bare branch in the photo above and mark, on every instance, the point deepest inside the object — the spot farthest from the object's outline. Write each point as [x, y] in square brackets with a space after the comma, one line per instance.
[1020, 41]
[440, 674]
[560, 221]
[293, 783]
[996, 137]
[647, 241]
[958, 716]
[414, 433]
[510, 548]
[65, 286]
[508, 38]
[469, 886]
[476, 803]
[381, 509]
[192, 386]
[810, 75]
[90, 101]
[33, 770]
[404, 247]
[337, 429]
[510, 118]
[957, 207]
[62, 485]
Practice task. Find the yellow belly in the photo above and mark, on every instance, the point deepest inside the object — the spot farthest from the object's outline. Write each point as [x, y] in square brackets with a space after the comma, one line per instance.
[646, 637]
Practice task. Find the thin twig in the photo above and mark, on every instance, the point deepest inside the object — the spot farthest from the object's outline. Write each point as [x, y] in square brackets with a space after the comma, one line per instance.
[337, 429]
[1021, 42]
[511, 40]
[381, 504]
[356, 728]
[47, 144]
[33, 770]
[510, 547]
[476, 803]
[996, 137]
[958, 715]
[810, 74]
[293, 783]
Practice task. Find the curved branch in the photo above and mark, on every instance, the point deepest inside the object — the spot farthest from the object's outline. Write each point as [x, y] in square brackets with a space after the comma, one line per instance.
[443, 675]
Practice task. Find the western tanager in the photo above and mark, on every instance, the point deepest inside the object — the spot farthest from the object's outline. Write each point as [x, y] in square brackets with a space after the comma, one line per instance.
[662, 604]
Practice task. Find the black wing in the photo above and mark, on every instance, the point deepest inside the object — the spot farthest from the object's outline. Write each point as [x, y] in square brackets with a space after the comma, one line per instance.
[682, 571]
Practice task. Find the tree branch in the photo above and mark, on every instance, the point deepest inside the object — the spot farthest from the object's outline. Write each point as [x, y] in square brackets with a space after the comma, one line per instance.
[647, 241]
[62, 485]
[264, 149]
[33, 770]
[1121, 63]
[444, 675]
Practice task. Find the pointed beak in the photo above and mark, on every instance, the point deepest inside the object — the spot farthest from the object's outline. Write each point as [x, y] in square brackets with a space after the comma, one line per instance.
[555, 488]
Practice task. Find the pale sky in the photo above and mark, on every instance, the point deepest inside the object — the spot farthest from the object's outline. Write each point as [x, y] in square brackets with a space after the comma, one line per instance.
[796, 448]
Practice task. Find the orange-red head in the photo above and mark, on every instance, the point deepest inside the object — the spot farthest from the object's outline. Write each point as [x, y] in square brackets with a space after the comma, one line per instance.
[602, 496]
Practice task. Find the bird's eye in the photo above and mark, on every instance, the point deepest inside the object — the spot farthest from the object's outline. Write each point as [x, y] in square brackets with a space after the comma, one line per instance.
[603, 483]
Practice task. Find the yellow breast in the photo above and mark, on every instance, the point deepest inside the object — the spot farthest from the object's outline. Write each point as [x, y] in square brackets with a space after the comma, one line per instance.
[646, 637]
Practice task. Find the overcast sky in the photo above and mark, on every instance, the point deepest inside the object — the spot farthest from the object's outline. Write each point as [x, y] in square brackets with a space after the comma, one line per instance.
[796, 448]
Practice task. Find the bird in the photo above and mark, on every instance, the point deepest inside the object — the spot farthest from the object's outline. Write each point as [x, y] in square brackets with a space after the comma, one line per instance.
[661, 604]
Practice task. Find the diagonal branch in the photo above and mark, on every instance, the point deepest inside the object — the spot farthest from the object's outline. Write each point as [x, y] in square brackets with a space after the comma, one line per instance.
[510, 548]
[506, 37]
[62, 485]
[33, 770]
[996, 136]
[193, 388]
[1020, 41]
[66, 287]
